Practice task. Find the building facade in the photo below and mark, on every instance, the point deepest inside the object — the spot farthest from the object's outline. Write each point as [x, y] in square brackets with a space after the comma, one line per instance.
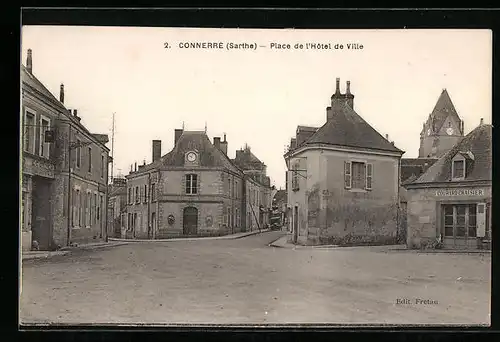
[194, 190]
[449, 206]
[64, 171]
[343, 180]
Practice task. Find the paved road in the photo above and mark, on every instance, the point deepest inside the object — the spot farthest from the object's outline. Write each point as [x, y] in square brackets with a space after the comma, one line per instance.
[245, 281]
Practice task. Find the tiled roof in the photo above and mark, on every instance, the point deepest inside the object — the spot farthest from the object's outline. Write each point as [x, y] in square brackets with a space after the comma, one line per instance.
[209, 155]
[443, 108]
[412, 168]
[479, 142]
[347, 128]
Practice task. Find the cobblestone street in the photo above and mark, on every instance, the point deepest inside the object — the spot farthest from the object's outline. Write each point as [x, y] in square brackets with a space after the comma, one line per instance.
[246, 281]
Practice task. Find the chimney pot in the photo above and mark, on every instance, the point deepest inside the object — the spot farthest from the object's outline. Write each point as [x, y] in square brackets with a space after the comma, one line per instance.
[387, 136]
[75, 112]
[348, 87]
[217, 142]
[482, 121]
[224, 137]
[337, 86]
[29, 62]
[135, 166]
[61, 93]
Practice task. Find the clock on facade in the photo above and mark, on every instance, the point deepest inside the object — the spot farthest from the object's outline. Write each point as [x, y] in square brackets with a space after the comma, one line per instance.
[191, 156]
[449, 131]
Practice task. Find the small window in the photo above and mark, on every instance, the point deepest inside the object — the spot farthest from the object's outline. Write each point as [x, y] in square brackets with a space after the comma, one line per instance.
[78, 154]
[90, 160]
[102, 166]
[29, 132]
[458, 169]
[137, 199]
[153, 192]
[129, 195]
[191, 184]
[145, 193]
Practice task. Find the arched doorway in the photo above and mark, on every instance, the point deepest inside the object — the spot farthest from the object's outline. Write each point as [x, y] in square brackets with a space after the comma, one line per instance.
[190, 221]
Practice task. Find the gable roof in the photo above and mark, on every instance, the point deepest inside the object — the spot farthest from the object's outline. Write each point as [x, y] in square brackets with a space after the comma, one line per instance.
[444, 107]
[347, 128]
[412, 168]
[479, 142]
[208, 154]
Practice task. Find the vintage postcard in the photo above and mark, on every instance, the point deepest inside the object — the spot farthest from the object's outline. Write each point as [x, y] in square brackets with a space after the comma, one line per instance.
[175, 176]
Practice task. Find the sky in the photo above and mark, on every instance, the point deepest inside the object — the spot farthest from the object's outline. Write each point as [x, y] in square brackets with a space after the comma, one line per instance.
[256, 96]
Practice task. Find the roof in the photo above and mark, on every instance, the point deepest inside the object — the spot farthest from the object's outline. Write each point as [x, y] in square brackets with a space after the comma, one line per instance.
[347, 128]
[31, 80]
[117, 191]
[280, 196]
[246, 160]
[35, 83]
[443, 108]
[412, 168]
[479, 142]
[209, 155]
[307, 128]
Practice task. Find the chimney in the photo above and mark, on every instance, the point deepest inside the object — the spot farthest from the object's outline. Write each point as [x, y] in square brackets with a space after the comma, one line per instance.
[223, 145]
[135, 167]
[462, 126]
[217, 142]
[29, 62]
[156, 150]
[348, 95]
[177, 135]
[481, 122]
[61, 93]
[337, 86]
[387, 136]
[131, 168]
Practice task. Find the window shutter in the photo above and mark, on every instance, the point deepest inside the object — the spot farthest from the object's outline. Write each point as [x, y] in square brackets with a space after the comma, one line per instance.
[347, 175]
[198, 181]
[369, 176]
[183, 182]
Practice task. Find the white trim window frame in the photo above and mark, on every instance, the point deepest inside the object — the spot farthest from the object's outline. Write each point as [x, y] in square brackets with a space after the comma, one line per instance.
[29, 130]
[191, 184]
[458, 159]
[44, 148]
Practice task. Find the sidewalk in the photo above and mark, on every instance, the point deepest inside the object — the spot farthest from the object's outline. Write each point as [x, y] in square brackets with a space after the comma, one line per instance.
[283, 243]
[224, 237]
[29, 255]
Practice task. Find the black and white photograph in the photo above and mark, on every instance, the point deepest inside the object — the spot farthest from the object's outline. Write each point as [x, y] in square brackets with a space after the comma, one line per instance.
[220, 176]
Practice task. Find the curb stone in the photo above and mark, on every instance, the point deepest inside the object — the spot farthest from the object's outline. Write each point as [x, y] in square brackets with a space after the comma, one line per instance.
[224, 237]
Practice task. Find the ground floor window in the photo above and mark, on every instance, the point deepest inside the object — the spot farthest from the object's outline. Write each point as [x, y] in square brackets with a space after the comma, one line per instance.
[460, 220]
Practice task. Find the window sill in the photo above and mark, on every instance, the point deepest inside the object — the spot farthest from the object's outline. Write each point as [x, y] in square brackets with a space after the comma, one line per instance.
[75, 227]
[457, 179]
[88, 227]
[358, 190]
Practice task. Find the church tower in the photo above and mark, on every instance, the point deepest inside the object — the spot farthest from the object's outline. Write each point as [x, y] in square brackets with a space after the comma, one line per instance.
[442, 130]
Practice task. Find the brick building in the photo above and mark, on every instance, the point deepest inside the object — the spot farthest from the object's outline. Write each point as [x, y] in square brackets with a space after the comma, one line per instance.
[343, 180]
[64, 170]
[194, 190]
[449, 204]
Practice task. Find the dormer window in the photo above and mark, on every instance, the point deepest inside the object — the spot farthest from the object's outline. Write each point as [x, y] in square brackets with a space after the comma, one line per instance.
[458, 170]
[462, 165]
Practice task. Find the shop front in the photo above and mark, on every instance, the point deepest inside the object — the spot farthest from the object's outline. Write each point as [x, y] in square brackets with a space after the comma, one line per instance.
[451, 217]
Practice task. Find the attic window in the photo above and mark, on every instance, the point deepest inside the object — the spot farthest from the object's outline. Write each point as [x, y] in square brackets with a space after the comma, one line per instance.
[458, 169]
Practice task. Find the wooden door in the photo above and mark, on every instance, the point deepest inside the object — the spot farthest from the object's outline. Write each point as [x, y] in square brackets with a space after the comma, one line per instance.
[190, 221]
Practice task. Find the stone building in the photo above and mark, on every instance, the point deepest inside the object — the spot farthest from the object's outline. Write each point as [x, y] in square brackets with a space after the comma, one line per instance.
[343, 180]
[258, 189]
[117, 207]
[194, 190]
[64, 171]
[449, 204]
[442, 130]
